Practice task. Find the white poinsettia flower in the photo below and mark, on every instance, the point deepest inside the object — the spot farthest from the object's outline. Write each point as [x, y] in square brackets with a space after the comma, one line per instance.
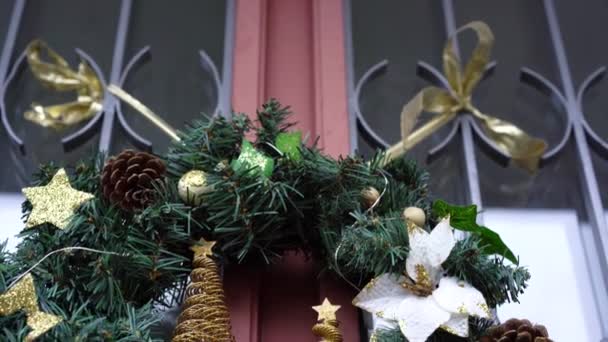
[425, 299]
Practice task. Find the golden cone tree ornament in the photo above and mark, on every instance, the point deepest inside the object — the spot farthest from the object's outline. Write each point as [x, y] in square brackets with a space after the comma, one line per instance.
[328, 326]
[204, 316]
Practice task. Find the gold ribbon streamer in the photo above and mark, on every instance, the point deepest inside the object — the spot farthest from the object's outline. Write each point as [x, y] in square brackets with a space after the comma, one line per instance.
[523, 149]
[145, 111]
[57, 75]
[22, 296]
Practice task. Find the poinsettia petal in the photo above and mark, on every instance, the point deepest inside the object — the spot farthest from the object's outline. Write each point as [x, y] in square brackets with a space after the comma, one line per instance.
[429, 250]
[419, 246]
[457, 325]
[382, 296]
[419, 317]
[459, 297]
[440, 243]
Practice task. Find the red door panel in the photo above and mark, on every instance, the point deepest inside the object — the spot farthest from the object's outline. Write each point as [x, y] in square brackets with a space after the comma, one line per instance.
[292, 50]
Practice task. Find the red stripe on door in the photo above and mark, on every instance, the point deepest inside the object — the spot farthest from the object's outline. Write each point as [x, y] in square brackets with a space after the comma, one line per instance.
[292, 50]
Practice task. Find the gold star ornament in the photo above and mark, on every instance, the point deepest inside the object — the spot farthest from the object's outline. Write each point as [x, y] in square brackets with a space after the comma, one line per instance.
[22, 296]
[203, 248]
[326, 310]
[55, 202]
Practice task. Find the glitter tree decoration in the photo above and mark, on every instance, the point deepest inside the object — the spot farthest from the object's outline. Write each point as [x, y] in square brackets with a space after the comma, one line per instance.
[204, 316]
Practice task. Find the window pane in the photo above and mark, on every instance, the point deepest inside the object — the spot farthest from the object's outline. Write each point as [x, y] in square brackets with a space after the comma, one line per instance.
[403, 33]
[5, 16]
[65, 25]
[522, 40]
[581, 25]
[414, 31]
[172, 82]
[8, 182]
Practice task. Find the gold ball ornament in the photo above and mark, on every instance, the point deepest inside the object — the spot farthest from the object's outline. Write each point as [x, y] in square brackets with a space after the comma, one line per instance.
[192, 186]
[415, 215]
[369, 196]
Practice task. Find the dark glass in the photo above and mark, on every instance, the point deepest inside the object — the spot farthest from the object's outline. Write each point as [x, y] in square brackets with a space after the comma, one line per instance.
[414, 31]
[65, 25]
[583, 28]
[601, 171]
[6, 7]
[522, 40]
[6, 183]
[404, 33]
[172, 82]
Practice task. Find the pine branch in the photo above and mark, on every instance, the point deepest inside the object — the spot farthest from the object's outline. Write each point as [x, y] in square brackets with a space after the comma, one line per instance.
[372, 246]
[99, 293]
[272, 119]
[358, 242]
[205, 143]
[498, 282]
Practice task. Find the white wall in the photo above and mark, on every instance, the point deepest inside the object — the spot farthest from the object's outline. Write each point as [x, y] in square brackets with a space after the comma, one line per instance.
[10, 215]
[560, 294]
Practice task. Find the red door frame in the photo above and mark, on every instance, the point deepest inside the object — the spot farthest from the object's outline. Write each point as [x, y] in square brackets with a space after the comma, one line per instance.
[293, 50]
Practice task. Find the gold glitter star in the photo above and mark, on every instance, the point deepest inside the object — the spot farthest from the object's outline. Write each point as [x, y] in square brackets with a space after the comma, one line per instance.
[203, 247]
[22, 296]
[326, 311]
[55, 202]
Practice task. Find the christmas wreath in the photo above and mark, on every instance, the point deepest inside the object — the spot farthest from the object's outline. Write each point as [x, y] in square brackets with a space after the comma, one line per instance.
[363, 220]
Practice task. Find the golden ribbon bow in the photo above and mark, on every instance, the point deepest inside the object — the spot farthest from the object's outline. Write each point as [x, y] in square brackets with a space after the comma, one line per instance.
[22, 296]
[523, 149]
[57, 75]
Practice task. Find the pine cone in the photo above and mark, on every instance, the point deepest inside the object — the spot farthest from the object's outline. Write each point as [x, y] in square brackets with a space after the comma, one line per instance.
[127, 179]
[517, 330]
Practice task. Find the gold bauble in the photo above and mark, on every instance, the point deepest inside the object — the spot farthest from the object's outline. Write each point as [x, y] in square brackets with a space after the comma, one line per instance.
[369, 196]
[414, 215]
[192, 186]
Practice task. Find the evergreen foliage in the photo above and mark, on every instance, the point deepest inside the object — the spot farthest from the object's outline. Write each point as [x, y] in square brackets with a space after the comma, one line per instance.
[498, 282]
[101, 297]
[311, 204]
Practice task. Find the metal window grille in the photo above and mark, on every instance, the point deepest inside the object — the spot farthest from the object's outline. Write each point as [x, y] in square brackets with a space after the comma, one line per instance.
[110, 126]
[579, 135]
